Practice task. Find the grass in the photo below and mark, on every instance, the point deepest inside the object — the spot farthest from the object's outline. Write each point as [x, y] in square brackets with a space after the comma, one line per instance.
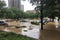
[13, 36]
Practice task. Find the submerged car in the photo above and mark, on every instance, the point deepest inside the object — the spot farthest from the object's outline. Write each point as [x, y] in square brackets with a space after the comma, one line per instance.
[44, 21]
[23, 20]
[3, 22]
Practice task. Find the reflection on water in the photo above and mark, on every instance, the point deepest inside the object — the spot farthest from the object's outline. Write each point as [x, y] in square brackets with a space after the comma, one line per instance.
[6, 30]
[33, 32]
[56, 22]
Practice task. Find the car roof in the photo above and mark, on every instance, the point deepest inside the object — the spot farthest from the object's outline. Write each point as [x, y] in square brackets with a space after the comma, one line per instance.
[2, 20]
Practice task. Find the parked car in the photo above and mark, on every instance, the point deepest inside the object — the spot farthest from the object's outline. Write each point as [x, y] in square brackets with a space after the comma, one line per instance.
[3, 22]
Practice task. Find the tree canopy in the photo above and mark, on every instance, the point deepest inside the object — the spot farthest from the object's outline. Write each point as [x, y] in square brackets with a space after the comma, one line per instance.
[51, 8]
[14, 13]
[2, 4]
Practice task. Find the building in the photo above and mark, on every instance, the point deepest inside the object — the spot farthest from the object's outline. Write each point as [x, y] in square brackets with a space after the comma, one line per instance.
[22, 7]
[1, 0]
[14, 3]
[31, 11]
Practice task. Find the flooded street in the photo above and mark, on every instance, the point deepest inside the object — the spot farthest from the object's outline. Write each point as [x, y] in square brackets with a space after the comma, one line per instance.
[34, 33]
[31, 30]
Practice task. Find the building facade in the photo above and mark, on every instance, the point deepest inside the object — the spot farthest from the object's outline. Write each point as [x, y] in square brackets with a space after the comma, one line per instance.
[22, 7]
[14, 3]
[31, 11]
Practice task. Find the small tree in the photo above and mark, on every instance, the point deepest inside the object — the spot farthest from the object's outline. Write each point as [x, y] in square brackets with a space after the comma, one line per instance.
[2, 4]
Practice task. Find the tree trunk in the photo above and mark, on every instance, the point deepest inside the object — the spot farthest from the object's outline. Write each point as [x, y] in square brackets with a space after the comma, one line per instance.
[58, 19]
[41, 14]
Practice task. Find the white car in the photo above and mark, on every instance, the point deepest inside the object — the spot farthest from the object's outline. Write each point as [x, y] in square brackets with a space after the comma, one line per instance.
[3, 22]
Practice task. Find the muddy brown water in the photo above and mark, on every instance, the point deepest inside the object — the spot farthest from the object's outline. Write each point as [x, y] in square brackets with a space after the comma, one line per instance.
[50, 32]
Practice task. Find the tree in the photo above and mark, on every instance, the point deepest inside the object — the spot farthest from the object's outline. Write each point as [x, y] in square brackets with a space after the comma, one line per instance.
[39, 7]
[51, 8]
[16, 13]
[2, 4]
[48, 8]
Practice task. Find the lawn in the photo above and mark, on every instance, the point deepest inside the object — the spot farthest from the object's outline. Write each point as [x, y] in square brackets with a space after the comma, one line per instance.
[13, 36]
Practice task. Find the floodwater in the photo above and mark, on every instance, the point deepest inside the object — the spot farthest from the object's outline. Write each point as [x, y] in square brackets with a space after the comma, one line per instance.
[34, 32]
[56, 23]
[31, 30]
